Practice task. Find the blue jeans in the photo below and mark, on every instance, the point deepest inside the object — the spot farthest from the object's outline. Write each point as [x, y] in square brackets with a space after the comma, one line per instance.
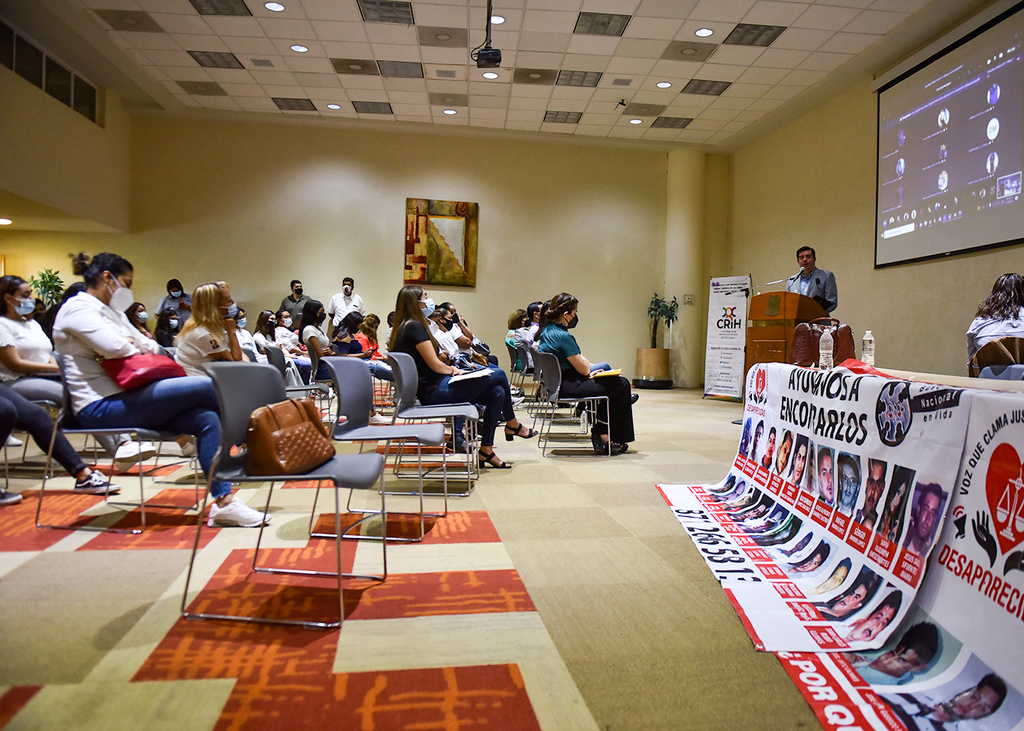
[380, 369]
[181, 405]
[305, 365]
[599, 367]
[490, 391]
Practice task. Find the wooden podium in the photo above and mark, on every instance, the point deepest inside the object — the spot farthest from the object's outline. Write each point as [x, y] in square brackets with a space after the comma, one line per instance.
[773, 318]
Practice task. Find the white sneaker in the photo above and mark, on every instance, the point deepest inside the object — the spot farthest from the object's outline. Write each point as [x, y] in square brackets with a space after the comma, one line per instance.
[96, 484]
[380, 420]
[236, 514]
[13, 441]
[188, 449]
[131, 452]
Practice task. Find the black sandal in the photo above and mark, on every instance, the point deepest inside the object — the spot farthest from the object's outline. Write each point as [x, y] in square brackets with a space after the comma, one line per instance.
[518, 432]
[492, 460]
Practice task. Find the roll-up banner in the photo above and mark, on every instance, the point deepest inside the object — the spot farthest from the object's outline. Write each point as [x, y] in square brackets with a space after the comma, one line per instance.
[727, 336]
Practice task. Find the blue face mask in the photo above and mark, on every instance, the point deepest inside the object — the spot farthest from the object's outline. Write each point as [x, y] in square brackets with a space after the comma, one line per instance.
[232, 311]
[242, 322]
[25, 307]
[428, 307]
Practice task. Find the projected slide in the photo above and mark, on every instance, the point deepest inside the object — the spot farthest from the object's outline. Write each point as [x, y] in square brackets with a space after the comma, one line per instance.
[950, 150]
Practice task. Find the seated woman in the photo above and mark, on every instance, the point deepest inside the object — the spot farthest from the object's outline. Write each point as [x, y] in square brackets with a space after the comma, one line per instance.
[561, 316]
[93, 324]
[209, 333]
[1001, 314]
[411, 335]
[166, 328]
[314, 338]
[17, 412]
[288, 339]
[367, 337]
[28, 368]
[138, 317]
[245, 338]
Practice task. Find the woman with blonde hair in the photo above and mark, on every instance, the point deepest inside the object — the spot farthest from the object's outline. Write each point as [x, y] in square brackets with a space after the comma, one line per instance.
[411, 335]
[209, 334]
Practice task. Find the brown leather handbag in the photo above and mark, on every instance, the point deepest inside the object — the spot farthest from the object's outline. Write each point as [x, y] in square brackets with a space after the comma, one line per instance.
[807, 335]
[287, 438]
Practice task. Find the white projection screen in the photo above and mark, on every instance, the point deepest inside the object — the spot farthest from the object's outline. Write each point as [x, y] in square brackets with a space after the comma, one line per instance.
[950, 149]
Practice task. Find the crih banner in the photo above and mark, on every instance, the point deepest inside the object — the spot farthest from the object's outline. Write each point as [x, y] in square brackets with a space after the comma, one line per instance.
[953, 656]
[727, 336]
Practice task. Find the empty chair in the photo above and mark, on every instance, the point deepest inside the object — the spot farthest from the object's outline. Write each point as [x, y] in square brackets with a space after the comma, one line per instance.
[241, 389]
[550, 399]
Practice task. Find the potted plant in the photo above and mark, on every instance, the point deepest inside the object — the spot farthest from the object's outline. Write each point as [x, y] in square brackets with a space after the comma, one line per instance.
[48, 287]
[653, 369]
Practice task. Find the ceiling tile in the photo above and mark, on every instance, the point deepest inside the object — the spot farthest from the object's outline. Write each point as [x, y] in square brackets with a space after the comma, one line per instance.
[849, 43]
[718, 72]
[781, 91]
[747, 91]
[444, 56]
[309, 65]
[825, 17]
[522, 102]
[534, 60]
[346, 50]
[201, 43]
[317, 81]
[256, 104]
[413, 110]
[762, 76]
[641, 48]
[803, 39]
[405, 86]
[441, 15]
[768, 12]
[240, 45]
[326, 30]
[875, 21]
[362, 84]
[595, 45]
[620, 65]
[781, 58]
[803, 78]
[240, 90]
[551, 42]
[405, 35]
[280, 78]
[191, 24]
[727, 11]
[737, 55]
[171, 58]
[488, 102]
[295, 30]
[388, 52]
[234, 26]
[666, 8]
[652, 28]
[420, 98]
[547, 21]
[825, 61]
[673, 70]
[331, 10]
[476, 112]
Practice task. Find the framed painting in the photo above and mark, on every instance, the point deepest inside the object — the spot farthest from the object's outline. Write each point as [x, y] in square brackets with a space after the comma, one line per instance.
[440, 242]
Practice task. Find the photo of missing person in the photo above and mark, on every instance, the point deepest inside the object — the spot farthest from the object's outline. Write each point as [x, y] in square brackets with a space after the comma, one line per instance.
[743, 501]
[835, 579]
[804, 542]
[823, 478]
[861, 592]
[769, 450]
[848, 481]
[748, 426]
[977, 698]
[737, 491]
[894, 508]
[798, 467]
[766, 523]
[727, 486]
[915, 651]
[869, 627]
[925, 516]
[785, 449]
[758, 431]
[784, 533]
[874, 486]
[813, 562]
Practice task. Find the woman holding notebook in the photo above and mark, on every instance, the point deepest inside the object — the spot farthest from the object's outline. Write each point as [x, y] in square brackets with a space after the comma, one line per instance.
[580, 379]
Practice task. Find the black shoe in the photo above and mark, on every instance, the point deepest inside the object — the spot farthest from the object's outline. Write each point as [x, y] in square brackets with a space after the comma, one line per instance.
[633, 397]
[600, 445]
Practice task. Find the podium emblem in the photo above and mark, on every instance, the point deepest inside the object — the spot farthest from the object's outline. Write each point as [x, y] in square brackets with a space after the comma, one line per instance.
[774, 303]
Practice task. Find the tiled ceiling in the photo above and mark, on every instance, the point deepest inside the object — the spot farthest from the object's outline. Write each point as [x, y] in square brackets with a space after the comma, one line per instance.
[558, 73]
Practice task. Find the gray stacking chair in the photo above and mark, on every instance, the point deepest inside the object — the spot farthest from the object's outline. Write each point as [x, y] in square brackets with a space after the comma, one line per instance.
[407, 409]
[354, 386]
[276, 358]
[550, 400]
[241, 389]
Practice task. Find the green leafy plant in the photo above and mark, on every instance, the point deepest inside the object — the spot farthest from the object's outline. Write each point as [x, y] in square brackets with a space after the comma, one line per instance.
[661, 309]
[48, 286]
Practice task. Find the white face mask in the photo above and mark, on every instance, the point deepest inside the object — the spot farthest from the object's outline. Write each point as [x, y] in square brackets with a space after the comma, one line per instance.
[173, 324]
[287, 322]
[121, 298]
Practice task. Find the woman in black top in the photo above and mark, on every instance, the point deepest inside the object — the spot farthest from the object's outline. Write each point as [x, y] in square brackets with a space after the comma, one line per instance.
[411, 334]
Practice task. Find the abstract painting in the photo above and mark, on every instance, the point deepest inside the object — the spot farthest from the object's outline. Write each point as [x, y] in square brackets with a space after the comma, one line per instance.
[440, 242]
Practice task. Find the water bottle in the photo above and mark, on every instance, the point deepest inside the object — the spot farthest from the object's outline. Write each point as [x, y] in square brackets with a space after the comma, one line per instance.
[867, 349]
[825, 351]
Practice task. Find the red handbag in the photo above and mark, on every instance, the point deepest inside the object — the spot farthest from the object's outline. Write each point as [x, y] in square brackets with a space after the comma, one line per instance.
[141, 369]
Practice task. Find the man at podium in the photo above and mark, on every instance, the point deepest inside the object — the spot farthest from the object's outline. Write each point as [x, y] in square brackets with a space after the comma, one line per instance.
[818, 284]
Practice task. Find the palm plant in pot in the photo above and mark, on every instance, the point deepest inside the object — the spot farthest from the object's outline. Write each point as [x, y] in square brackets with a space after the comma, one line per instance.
[653, 368]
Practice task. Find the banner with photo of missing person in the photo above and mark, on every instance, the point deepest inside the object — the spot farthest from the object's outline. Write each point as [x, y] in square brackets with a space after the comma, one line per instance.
[821, 531]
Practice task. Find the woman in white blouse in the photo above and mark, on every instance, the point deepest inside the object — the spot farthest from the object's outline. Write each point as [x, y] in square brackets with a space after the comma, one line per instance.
[210, 333]
[314, 338]
[93, 324]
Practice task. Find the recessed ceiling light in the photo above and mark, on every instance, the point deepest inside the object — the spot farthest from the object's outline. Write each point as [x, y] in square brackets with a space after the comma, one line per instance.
[334, 106]
[450, 112]
[299, 49]
[355, 67]
[535, 76]
[274, 7]
[497, 20]
[664, 84]
[129, 21]
[703, 32]
[443, 37]
[5, 222]
[636, 121]
[490, 75]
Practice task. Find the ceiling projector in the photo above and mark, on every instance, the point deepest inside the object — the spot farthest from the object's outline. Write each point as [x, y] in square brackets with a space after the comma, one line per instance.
[488, 58]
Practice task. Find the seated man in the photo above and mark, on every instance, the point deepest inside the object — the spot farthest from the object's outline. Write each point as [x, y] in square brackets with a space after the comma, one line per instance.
[464, 337]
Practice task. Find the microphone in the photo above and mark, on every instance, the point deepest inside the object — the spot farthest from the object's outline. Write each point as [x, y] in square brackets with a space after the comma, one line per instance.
[768, 284]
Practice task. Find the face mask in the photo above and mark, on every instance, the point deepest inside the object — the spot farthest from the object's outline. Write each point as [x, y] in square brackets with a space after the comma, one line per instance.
[121, 298]
[287, 322]
[320, 317]
[232, 311]
[347, 289]
[25, 307]
[573, 322]
[428, 307]
[143, 316]
[242, 322]
[176, 294]
[298, 291]
[173, 324]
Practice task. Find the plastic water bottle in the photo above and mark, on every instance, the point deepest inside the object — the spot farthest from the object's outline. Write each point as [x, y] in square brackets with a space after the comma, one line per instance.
[825, 351]
[867, 349]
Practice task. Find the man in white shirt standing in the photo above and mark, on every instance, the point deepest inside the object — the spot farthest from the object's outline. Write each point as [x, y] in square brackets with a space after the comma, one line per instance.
[344, 302]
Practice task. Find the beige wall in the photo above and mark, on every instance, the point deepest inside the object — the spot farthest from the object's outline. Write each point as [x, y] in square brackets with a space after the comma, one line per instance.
[257, 205]
[813, 183]
[56, 157]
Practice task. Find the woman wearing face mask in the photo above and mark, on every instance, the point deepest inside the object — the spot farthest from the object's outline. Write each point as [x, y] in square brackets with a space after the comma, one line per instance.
[555, 338]
[138, 317]
[313, 336]
[93, 324]
[210, 333]
[245, 338]
[177, 301]
[166, 328]
[411, 334]
[287, 339]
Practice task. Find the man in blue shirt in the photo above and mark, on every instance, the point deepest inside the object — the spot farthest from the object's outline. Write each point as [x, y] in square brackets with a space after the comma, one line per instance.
[818, 284]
